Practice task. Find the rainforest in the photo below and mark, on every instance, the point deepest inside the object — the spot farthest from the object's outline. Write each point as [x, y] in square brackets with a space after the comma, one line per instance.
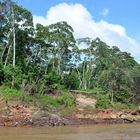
[48, 73]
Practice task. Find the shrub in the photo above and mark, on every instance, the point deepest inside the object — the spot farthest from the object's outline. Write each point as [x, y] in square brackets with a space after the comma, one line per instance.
[13, 76]
[53, 80]
[11, 94]
[103, 102]
[64, 100]
[71, 80]
[67, 99]
[132, 106]
[120, 106]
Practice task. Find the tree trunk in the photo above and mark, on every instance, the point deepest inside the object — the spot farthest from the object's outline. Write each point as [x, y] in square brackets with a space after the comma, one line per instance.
[79, 76]
[14, 39]
[3, 52]
[83, 79]
[85, 84]
[59, 67]
[5, 63]
[112, 97]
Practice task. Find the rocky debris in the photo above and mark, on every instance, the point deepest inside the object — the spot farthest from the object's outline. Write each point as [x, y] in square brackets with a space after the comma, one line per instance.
[45, 121]
[23, 115]
[109, 116]
[15, 115]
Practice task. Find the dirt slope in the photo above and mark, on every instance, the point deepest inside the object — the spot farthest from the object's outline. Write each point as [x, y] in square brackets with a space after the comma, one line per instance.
[84, 101]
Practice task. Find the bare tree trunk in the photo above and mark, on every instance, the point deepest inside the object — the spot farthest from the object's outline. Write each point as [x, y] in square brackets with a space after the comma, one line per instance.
[7, 45]
[53, 63]
[46, 69]
[59, 62]
[112, 94]
[2, 55]
[85, 84]
[83, 79]
[5, 63]
[79, 76]
[112, 97]
[14, 39]
[59, 65]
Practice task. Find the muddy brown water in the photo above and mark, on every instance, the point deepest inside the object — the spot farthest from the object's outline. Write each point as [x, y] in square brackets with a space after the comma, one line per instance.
[92, 132]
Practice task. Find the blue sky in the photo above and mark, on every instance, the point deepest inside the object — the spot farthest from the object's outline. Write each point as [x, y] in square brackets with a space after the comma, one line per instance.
[125, 13]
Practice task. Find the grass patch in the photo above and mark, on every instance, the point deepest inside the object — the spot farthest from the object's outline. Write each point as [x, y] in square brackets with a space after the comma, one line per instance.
[64, 100]
[67, 111]
[10, 94]
[121, 106]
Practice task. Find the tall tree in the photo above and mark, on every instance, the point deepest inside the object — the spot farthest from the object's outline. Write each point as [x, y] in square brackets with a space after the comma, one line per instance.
[62, 39]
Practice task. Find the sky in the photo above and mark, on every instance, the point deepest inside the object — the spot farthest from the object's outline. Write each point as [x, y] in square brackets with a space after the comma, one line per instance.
[115, 21]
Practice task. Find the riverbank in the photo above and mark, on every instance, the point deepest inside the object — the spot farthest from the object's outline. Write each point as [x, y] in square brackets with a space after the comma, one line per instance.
[17, 114]
[61, 108]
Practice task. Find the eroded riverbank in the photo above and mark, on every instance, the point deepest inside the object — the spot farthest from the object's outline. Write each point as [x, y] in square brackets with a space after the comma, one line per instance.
[15, 115]
[21, 114]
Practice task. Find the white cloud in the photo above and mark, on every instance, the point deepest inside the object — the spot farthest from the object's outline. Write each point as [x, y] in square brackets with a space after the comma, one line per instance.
[105, 12]
[85, 26]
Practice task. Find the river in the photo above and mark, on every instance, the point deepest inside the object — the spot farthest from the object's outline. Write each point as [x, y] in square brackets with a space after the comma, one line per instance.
[91, 132]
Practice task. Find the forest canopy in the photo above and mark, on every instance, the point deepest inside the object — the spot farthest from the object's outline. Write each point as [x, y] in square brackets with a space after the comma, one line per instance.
[37, 58]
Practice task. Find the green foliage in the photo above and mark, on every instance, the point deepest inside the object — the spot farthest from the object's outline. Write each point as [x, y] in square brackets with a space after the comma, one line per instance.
[120, 106]
[47, 101]
[13, 76]
[43, 56]
[98, 90]
[103, 102]
[132, 106]
[65, 100]
[71, 80]
[53, 80]
[11, 94]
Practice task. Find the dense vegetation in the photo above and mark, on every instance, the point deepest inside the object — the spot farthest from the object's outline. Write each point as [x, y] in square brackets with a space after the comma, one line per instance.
[39, 59]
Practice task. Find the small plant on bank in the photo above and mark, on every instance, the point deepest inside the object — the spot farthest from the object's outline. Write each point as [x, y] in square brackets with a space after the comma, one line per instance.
[103, 102]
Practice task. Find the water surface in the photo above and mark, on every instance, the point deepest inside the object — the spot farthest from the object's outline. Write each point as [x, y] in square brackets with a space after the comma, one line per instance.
[91, 132]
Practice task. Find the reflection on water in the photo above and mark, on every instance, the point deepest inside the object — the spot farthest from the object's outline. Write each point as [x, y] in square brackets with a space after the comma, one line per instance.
[94, 132]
